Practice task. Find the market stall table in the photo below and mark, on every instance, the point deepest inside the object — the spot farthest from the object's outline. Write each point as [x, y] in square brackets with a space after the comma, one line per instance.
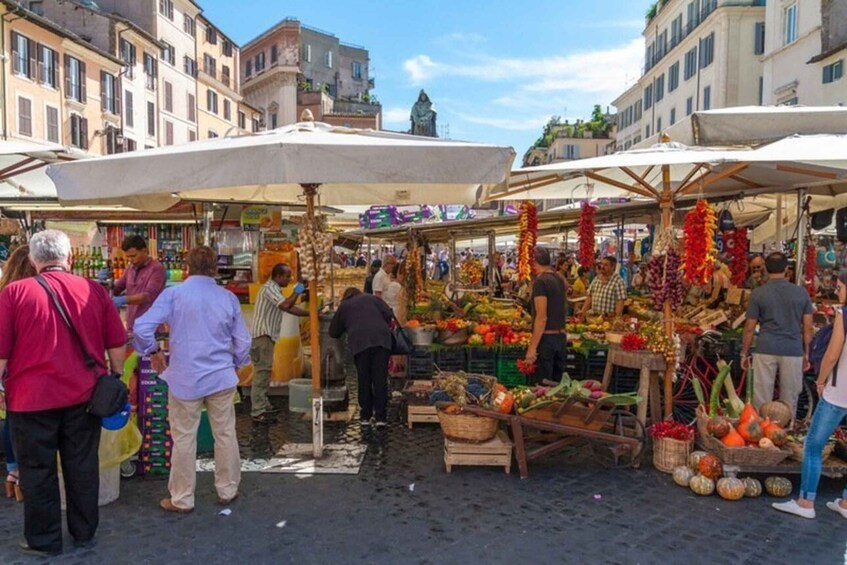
[651, 367]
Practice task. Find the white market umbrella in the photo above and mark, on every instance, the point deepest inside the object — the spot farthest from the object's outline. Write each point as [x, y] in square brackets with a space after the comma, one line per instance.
[23, 169]
[346, 166]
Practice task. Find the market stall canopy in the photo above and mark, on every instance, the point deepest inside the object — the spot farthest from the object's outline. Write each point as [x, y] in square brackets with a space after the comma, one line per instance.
[352, 167]
[23, 170]
[693, 170]
[751, 126]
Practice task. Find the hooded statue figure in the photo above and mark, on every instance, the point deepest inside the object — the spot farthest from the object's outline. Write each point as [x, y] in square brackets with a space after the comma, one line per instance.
[423, 116]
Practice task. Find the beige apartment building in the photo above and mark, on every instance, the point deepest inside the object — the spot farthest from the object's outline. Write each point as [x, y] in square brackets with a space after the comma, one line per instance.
[700, 54]
[57, 87]
[805, 48]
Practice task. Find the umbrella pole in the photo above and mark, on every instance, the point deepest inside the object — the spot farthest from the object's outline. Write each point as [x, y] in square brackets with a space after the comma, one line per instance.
[310, 190]
[666, 205]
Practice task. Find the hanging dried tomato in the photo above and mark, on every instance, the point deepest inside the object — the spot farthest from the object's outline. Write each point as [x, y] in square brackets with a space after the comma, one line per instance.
[811, 266]
[738, 255]
[586, 235]
[698, 258]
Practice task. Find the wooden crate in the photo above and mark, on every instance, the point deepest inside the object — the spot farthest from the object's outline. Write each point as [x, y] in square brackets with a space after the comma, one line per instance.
[421, 415]
[496, 452]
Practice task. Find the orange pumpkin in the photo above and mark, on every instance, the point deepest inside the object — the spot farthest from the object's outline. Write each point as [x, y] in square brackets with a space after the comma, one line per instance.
[749, 413]
[733, 439]
[710, 466]
[751, 431]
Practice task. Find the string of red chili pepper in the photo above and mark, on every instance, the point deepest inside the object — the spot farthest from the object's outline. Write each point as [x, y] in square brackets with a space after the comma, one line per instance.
[633, 342]
[738, 256]
[811, 267]
[672, 430]
[586, 235]
[698, 258]
[526, 368]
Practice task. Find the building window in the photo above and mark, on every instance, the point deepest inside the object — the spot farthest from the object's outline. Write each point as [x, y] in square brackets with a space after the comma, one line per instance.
[191, 102]
[707, 50]
[274, 120]
[23, 50]
[274, 54]
[759, 39]
[676, 31]
[659, 125]
[707, 98]
[227, 110]
[690, 63]
[212, 101]
[259, 62]
[151, 71]
[571, 151]
[168, 53]
[169, 133]
[255, 125]
[129, 110]
[357, 70]
[75, 79]
[329, 59]
[242, 120]
[109, 94]
[52, 124]
[210, 65]
[647, 131]
[660, 87]
[638, 110]
[189, 65]
[24, 116]
[211, 35]
[693, 16]
[169, 96]
[192, 135]
[248, 68]
[227, 48]
[648, 97]
[166, 8]
[689, 105]
[789, 24]
[761, 90]
[37, 6]
[673, 116]
[79, 131]
[673, 77]
[151, 119]
[189, 26]
[128, 57]
[48, 64]
[833, 71]
[308, 54]
[212, 134]
[225, 75]
[130, 145]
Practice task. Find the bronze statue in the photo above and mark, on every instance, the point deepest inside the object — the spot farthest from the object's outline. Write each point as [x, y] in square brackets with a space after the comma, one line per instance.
[423, 116]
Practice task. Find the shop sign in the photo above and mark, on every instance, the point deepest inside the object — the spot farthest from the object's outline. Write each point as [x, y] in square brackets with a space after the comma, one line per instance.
[260, 218]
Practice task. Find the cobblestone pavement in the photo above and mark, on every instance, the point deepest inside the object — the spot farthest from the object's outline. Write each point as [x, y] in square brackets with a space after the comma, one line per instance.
[571, 510]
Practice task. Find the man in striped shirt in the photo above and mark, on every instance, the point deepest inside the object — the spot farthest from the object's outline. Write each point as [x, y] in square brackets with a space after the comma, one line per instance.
[267, 321]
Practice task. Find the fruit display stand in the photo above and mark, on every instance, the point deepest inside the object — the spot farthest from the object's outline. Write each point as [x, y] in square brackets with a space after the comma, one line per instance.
[651, 367]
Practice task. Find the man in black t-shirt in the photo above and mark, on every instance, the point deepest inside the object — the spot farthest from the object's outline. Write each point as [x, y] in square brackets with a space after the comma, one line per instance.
[547, 348]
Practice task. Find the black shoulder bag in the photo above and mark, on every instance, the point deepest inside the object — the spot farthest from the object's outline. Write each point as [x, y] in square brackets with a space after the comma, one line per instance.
[401, 344]
[110, 393]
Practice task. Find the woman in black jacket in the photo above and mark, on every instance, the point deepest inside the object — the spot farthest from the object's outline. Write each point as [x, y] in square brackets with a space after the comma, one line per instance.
[366, 319]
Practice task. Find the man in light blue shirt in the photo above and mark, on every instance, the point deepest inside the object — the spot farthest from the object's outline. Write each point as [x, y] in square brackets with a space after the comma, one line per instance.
[208, 342]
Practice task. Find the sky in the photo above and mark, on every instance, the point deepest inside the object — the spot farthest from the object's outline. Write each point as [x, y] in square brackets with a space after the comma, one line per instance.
[496, 71]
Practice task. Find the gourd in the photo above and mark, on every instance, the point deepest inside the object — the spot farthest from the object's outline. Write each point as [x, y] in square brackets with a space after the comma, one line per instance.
[710, 466]
[778, 486]
[752, 487]
[748, 414]
[778, 411]
[716, 390]
[775, 433]
[733, 439]
[701, 485]
[750, 430]
[765, 443]
[730, 488]
[694, 459]
[682, 475]
[718, 426]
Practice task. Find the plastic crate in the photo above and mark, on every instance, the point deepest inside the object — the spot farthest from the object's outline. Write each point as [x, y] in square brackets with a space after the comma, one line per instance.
[508, 374]
[451, 359]
[421, 363]
[482, 360]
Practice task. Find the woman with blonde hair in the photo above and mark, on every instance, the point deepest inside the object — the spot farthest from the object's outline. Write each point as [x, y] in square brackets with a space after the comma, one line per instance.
[17, 267]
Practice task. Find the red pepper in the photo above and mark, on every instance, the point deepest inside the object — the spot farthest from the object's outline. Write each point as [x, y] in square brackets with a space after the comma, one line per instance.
[586, 235]
[672, 430]
[526, 368]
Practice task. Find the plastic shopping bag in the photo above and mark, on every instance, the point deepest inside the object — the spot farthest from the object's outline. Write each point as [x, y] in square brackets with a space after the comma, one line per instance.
[118, 446]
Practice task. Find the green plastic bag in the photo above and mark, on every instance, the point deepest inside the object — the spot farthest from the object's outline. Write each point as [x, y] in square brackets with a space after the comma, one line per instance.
[118, 446]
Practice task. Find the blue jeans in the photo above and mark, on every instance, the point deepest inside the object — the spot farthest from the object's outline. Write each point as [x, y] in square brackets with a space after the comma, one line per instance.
[8, 450]
[827, 417]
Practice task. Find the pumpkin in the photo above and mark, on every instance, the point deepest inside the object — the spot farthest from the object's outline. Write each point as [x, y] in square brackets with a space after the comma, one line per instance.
[749, 413]
[730, 488]
[776, 434]
[710, 466]
[694, 459]
[718, 426]
[733, 439]
[752, 487]
[778, 486]
[765, 443]
[778, 411]
[701, 485]
[750, 430]
[503, 401]
[682, 475]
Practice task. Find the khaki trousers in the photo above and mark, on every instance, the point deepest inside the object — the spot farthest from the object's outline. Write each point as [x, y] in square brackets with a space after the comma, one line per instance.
[765, 368]
[184, 417]
[262, 355]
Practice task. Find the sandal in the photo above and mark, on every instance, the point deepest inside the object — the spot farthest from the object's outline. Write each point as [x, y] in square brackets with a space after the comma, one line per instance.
[13, 486]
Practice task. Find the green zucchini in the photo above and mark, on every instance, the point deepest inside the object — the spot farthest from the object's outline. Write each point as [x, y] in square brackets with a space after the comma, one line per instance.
[716, 390]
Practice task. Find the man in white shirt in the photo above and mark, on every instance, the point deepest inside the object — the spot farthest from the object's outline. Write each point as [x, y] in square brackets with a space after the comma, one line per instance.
[383, 278]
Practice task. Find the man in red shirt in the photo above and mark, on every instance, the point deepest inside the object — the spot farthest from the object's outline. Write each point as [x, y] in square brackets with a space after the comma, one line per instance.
[48, 386]
[141, 283]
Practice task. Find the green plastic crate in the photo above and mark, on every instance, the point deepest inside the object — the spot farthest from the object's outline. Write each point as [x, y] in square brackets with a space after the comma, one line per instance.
[508, 374]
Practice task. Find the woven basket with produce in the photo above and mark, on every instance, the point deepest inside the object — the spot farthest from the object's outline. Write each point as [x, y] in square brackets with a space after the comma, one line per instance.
[453, 391]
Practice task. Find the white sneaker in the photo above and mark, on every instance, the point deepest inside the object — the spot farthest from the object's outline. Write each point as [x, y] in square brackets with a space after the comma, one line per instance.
[835, 506]
[791, 507]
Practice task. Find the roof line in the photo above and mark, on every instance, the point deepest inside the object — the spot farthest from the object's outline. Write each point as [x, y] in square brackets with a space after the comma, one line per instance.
[116, 16]
[270, 30]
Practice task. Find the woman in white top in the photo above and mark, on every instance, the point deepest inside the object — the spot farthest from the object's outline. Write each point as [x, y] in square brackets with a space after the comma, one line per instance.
[394, 294]
[830, 411]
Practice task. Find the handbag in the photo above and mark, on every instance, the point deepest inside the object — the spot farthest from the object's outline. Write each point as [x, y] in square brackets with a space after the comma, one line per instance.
[401, 344]
[110, 394]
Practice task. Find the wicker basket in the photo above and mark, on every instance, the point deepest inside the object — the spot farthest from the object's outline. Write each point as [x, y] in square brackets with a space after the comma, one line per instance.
[464, 427]
[669, 453]
[746, 456]
[797, 450]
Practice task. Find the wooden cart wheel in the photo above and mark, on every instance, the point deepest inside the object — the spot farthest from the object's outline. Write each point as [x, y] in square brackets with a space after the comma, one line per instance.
[624, 424]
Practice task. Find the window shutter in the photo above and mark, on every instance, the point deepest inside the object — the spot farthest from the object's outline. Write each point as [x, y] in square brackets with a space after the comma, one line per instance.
[103, 94]
[33, 61]
[83, 132]
[54, 63]
[82, 95]
[15, 51]
[41, 62]
[68, 86]
[116, 94]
